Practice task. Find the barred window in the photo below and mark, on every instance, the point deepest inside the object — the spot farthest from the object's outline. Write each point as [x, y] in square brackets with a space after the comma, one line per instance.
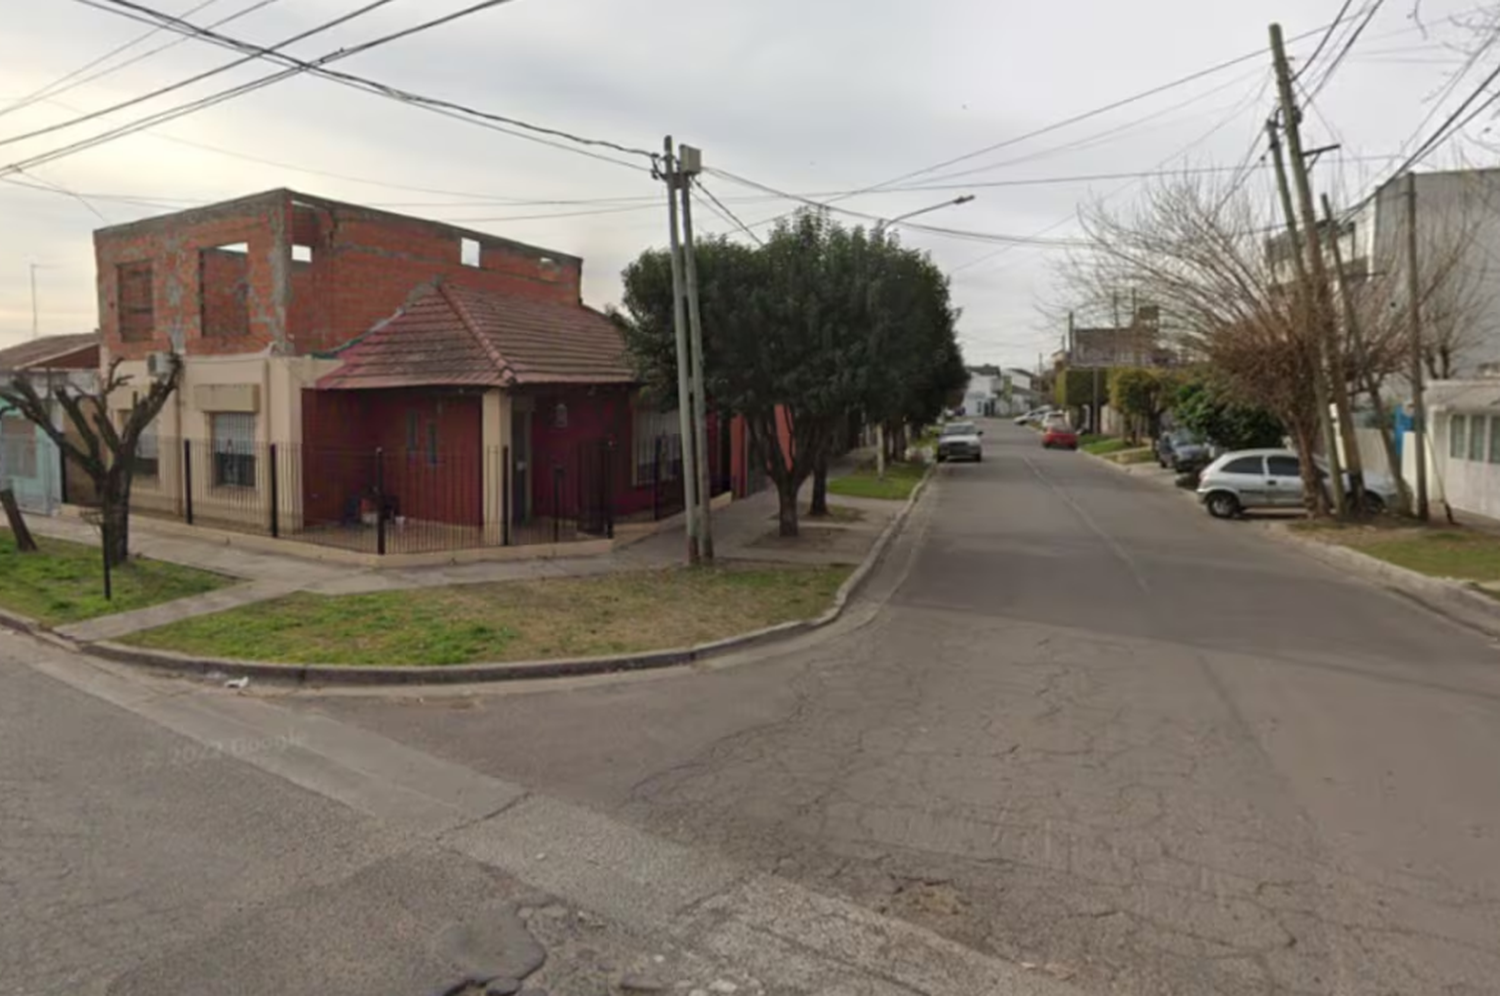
[658, 446]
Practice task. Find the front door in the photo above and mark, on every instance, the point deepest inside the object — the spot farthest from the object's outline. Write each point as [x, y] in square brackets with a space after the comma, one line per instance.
[520, 466]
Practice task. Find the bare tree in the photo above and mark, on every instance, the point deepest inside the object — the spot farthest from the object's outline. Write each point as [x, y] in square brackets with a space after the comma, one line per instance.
[103, 450]
[1196, 249]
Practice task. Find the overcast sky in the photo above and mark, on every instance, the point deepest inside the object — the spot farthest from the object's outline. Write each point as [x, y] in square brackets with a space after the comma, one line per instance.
[812, 96]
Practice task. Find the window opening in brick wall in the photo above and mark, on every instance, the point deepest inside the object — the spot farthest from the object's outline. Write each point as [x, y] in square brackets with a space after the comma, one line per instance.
[147, 452]
[137, 302]
[224, 290]
[233, 435]
[468, 252]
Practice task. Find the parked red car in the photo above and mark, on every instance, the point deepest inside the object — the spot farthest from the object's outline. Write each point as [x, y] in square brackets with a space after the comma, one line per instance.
[1059, 437]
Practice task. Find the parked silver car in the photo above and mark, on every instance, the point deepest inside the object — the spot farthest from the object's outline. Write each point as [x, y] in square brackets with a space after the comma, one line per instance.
[1273, 479]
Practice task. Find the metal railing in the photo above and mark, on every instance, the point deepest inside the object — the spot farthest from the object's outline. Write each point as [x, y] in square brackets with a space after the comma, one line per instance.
[380, 501]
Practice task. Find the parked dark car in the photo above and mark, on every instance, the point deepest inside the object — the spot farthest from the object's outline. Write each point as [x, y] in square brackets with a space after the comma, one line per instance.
[1182, 451]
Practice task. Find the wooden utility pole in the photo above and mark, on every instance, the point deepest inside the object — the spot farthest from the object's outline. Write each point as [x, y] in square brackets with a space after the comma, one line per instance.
[1320, 297]
[1320, 389]
[684, 373]
[689, 164]
[1361, 360]
[1414, 310]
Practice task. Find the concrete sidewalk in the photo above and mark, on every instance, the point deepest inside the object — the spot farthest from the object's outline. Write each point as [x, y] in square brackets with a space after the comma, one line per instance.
[744, 531]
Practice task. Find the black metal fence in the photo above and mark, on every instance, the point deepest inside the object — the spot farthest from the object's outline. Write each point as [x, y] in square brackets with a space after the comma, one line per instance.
[406, 501]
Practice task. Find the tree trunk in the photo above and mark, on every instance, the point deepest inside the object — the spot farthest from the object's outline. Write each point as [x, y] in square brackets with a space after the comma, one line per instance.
[115, 519]
[22, 535]
[786, 493]
[1388, 441]
[819, 505]
[1314, 494]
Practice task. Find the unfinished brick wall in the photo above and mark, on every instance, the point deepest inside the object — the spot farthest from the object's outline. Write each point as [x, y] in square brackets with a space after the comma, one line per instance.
[173, 246]
[365, 265]
[306, 274]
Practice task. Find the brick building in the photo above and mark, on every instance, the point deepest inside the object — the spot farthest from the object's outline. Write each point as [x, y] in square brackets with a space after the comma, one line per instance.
[338, 357]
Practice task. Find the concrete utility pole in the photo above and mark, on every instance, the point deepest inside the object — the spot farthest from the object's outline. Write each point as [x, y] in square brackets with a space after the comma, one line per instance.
[689, 165]
[1321, 297]
[1414, 309]
[1320, 388]
[684, 374]
[1357, 340]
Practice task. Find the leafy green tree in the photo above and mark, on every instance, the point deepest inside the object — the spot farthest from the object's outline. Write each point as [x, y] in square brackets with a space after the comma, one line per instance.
[1142, 396]
[1205, 409]
[820, 323]
[914, 366]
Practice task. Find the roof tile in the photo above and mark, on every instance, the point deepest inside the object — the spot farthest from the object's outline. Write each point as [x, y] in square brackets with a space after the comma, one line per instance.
[455, 335]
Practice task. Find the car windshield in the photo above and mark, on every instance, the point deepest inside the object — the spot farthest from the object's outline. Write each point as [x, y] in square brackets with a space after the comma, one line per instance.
[959, 429]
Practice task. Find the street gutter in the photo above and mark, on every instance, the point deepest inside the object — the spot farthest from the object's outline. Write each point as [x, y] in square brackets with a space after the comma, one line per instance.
[361, 675]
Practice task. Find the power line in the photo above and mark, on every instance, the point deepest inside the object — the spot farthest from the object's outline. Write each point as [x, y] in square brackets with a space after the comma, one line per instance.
[206, 74]
[57, 87]
[1084, 116]
[473, 198]
[1328, 36]
[1094, 139]
[732, 216]
[828, 206]
[54, 188]
[136, 11]
[222, 96]
[1374, 8]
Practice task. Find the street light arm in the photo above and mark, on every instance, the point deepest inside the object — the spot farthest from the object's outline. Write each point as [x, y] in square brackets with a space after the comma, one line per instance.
[881, 226]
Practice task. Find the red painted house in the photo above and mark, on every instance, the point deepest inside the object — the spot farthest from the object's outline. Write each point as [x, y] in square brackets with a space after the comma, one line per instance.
[489, 412]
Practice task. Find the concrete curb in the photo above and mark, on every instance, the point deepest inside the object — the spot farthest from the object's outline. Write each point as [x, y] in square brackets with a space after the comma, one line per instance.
[333, 674]
[1456, 600]
[20, 623]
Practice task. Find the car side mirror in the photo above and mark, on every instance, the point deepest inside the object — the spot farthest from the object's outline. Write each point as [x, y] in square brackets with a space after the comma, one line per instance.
[981, 432]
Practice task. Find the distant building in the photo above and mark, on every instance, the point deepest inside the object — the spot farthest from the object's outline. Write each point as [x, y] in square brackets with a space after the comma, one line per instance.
[30, 463]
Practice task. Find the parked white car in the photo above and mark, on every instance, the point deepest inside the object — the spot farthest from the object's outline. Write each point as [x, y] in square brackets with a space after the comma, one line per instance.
[1037, 415]
[1249, 479]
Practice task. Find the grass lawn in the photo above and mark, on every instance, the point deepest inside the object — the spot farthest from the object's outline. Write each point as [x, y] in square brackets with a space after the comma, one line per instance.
[1447, 553]
[900, 480]
[64, 582]
[1141, 455]
[512, 620]
[1101, 445]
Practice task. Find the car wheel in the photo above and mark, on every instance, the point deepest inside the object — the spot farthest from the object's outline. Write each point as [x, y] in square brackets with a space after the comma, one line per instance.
[1223, 505]
[979, 458]
[1374, 504]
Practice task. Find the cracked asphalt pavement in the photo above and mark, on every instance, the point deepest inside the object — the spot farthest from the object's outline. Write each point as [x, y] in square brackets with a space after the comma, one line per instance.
[1088, 730]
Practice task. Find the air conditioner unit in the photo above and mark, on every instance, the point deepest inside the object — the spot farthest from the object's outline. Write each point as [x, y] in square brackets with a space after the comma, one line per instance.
[159, 366]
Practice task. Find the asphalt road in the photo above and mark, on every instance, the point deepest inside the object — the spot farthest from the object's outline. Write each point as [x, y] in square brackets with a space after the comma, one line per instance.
[1089, 730]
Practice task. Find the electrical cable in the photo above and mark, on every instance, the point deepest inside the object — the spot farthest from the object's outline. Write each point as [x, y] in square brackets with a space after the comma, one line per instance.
[1323, 42]
[57, 87]
[137, 10]
[732, 216]
[211, 100]
[206, 74]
